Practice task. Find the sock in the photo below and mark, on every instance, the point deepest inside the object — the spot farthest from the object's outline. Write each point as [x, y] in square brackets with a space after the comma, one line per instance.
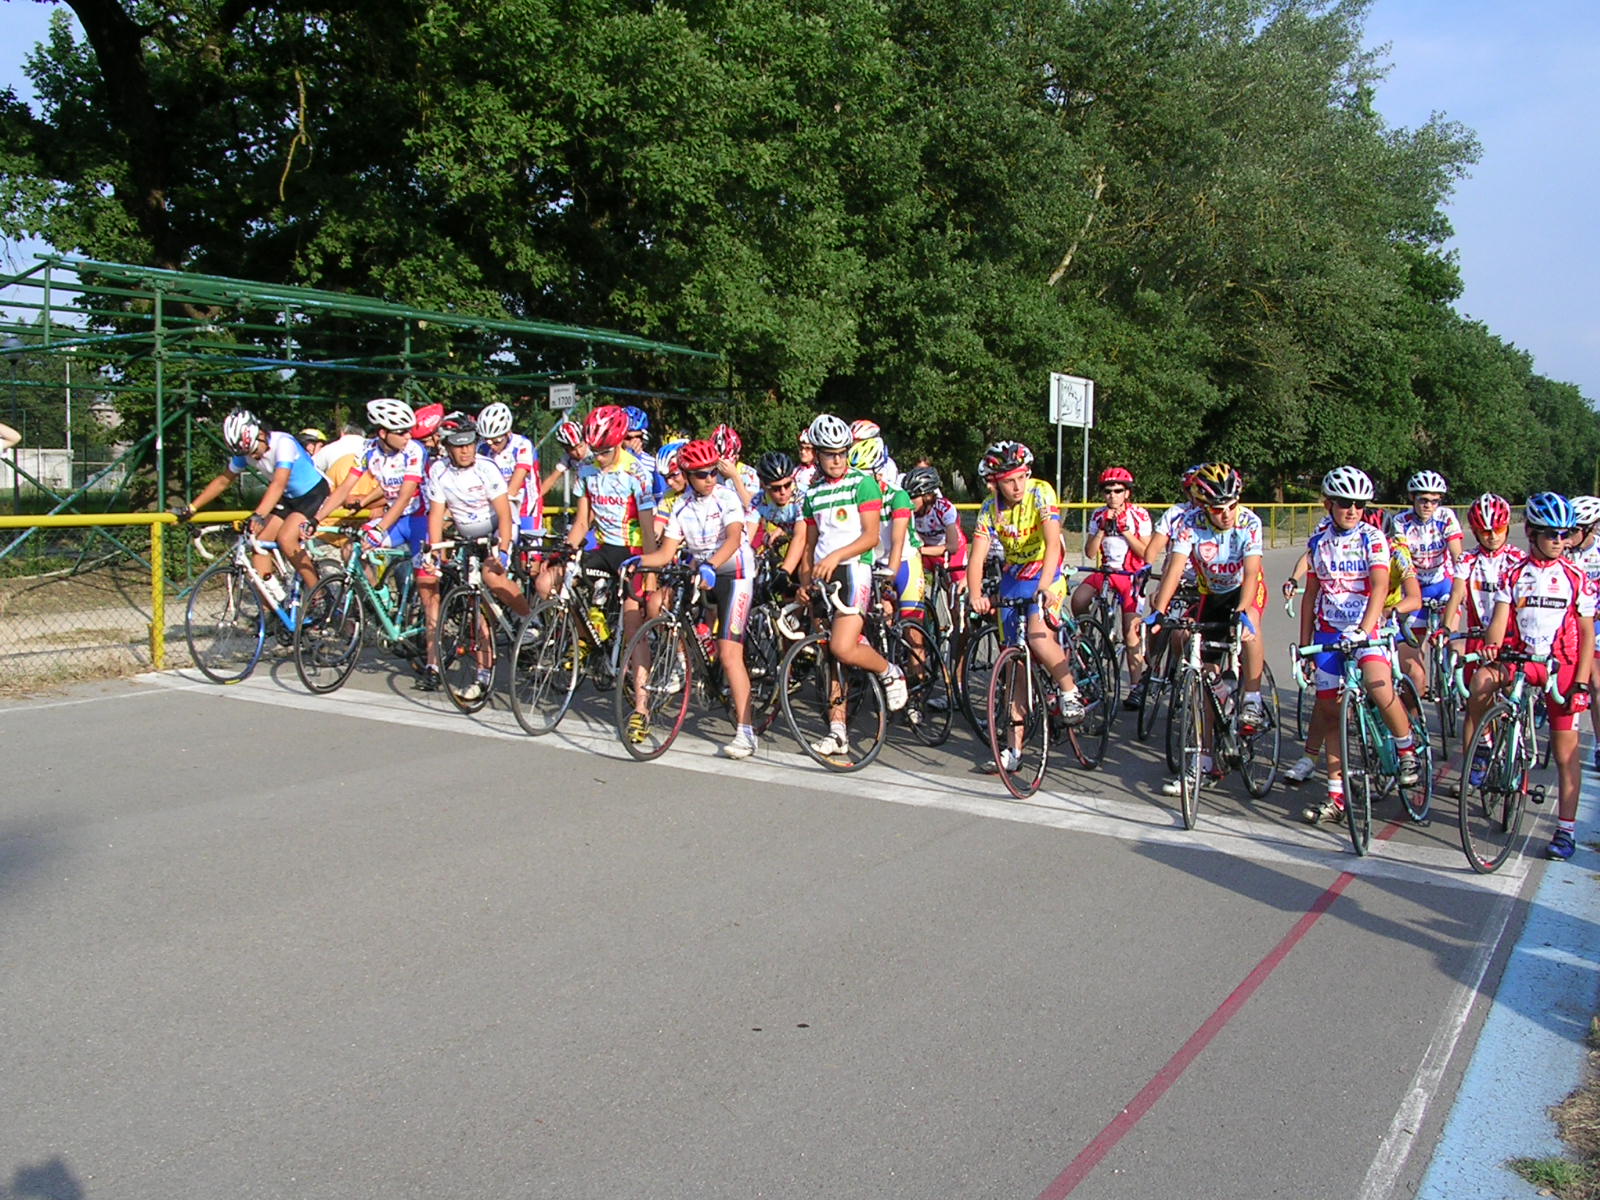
[837, 729]
[747, 732]
[1336, 791]
[1252, 697]
[1205, 763]
[1404, 744]
[1567, 826]
[485, 677]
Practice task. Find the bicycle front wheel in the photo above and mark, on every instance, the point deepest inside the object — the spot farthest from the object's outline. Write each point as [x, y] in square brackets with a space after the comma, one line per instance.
[327, 645]
[1158, 675]
[838, 714]
[464, 643]
[1441, 680]
[544, 668]
[1419, 799]
[1491, 808]
[928, 686]
[1259, 749]
[1188, 717]
[1360, 760]
[656, 680]
[762, 657]
[224, 623]
[972, 687]
[1094, 670]
[1019, 729]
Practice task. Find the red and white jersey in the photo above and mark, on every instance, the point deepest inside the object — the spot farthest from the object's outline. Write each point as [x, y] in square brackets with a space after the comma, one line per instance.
[1342, 560]
[1429, 539]
[1115, 553]
[1587, 560]
[1547, 600]
[519, 452]
[699, 524]
[391, 471]
[1483, 572]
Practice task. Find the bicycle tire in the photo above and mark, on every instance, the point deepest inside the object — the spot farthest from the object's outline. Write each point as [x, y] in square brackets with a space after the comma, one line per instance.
[1190, 721]
[1418, 800]
[928, 687]
[1259, 751]
[762, 658]
[1301, 706]
[1094, 670]
[1357, 760]
[327, 645]
[977, 663]
[809, 682]
[1441, 669]
[1158, 681]
[1490, 815]
[545, 663]
[668, 684]
[465, 624]
[224, 623]
[1541, 726]
[1016, 706]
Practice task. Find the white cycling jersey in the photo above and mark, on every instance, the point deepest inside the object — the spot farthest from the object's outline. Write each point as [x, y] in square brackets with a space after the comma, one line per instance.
[1429, 539]
[700, 523]
[1342, 560]
[467, 493]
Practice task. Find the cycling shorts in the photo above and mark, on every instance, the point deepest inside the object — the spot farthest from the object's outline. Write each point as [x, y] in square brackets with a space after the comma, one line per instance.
[409, 531]
[1122, 585]
[1330, 663]
[1014, 586]
[733, 597]
[305, 505]
[855, 584]
[1563, 716]
[1439, 589]
[609, 558]
[911, 585]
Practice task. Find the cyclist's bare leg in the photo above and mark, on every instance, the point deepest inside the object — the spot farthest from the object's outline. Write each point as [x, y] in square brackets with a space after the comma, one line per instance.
[1379, 680]
[1082, 598]
[1047, 651]
[428, 589]
[1569, 771]
[1415, 667]
[845, 644]
[731, 655]
[1133, 639]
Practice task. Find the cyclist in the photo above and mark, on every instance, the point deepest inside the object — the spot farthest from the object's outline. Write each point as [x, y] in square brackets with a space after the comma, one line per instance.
[676, 489]
[709, 525]
[638, 437]
[1434, 535]
[806, 471]
[1119, 539]
[779, 509]
[471, 492]
[1582, 548]
[1346, 587]
[426, 427]
[1222, 542]
[842, 514]
[569, 436]
[1545, 605]
[1023, 518]
[863, 429]
[899, 549]
[294, 496]
[518, 460]
[938, 524]
[396, 461]
[736, 475]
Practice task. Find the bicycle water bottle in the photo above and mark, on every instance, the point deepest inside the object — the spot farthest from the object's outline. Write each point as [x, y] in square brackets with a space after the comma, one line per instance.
[1226, 683]
[274, 590]
[597, 621]
[707, 644]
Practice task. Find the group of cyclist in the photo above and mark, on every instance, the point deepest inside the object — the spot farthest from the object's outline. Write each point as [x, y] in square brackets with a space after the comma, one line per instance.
[840, 509]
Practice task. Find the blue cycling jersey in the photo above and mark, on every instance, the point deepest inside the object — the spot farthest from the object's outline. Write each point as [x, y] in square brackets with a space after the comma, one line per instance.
[282, 451]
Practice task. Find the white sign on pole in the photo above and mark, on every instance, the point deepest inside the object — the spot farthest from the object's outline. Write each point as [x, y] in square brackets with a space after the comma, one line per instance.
[1071, 401]
[563, 395]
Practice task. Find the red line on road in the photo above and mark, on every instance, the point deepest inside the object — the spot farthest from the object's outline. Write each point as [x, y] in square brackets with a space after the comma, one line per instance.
[1089, 1158]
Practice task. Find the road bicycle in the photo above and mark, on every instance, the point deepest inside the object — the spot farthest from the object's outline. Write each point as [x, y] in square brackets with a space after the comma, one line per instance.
[471, 623]
[1440, 658]
[1366, 748]
[374, 593]
[673, 658]
[1163, 661]
[1024, 705]
[1496, 772]
[1208, 714]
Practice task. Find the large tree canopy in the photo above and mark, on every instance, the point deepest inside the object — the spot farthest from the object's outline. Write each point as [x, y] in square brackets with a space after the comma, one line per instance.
[915, 209]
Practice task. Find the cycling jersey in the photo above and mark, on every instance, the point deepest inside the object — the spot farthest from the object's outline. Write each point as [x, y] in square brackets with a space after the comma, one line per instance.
[666, 506]
[1429, 538]
[1483, 572]
[1115, 553]
[393, 471]
[467, 493]
[833, 507]
[777, 521]
[804, 477]
[1169, 523]
[941, 533]
[752, 484]
[617, 495]
[1547, 600]
[282, 451]
[1019, 529]
[1342, 559]
[699, 523]
[896, 505]
[1587, 560]
[1218, 555]
[526, 505]
[1401, 568]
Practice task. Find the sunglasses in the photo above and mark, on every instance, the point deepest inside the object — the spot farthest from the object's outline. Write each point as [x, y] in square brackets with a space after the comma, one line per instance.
[1426, 499]
[1358, 505]
[707, 474]
[783, 485]
[1114, 491]
[1556, 533]
[1222, 508]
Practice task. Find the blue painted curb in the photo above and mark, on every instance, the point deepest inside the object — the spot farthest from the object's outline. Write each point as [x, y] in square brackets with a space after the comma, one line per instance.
[1532, 1050]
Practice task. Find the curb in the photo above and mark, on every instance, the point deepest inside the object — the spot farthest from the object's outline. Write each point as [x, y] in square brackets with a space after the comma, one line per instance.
[1532, 1050]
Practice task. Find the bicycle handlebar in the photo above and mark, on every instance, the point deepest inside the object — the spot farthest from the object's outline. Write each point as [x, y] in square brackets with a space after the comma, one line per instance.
[1514, 658]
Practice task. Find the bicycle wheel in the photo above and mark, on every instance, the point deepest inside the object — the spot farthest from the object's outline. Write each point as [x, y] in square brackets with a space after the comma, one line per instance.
[1441, 682]
[762, 657]
[327, 645]
[650, 711]
[1541, 727]
[1302, 711]
[1158, 678]
[1491, 809]
[1094, 669]
[1188, 716]
[544, 667]
[816, 692]
[224, 623]
[463, 635]
[1259, 749]
[1359, 762]
[1019, 730]
[928, 685]
[1418, 800]
[977, 664]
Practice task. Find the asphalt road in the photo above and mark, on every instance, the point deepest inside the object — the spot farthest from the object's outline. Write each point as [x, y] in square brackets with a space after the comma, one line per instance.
[255, 943]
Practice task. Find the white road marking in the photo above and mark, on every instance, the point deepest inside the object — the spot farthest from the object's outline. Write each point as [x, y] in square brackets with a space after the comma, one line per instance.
[30, 706]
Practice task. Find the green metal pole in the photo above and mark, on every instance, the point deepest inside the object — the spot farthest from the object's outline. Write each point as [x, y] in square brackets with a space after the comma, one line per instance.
[161, 444]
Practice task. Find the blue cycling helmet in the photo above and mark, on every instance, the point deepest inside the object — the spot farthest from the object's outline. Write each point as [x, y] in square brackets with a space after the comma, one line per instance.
[638, 420]
[1549, 510]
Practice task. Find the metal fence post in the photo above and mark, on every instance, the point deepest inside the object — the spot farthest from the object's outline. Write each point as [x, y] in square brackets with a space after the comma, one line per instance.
[158, 596]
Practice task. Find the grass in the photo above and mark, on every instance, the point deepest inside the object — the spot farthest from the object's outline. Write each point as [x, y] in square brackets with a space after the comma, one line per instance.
[1578, 1121]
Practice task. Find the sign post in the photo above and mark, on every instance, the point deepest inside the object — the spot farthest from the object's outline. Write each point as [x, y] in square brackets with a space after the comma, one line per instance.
[563, 396]
[1072, 403]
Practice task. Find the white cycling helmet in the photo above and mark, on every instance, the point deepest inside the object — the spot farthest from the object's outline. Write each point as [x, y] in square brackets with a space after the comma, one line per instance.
[240, 429]
[1347, 483]
[828, 432]
[1586, 510]
[394, 415]
[494, 421]
[863, 429]
[1427, 481]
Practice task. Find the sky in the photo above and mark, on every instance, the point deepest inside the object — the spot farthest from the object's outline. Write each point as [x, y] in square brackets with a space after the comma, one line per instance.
[1524, 77]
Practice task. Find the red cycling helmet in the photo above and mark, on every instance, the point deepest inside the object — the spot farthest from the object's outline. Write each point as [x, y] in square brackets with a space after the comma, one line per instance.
[1488, 512]
[428, 418]
[1117, 475]
[605, 427]
[727, 441]
[699, 455]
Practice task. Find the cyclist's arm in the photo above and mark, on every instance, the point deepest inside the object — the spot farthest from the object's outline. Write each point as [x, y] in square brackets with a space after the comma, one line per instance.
[1155, 547]
[666, 549]
[1452, 606]
[1297, 573]
[1495, 636]
[504, 523]
[274, 493]
[978, 554]
[1171, 577]
[408, 489]
[436, 514]
[897, 542]
[729, 470]
[1585, 663]
[1410, 596]
[871, 526]
[339, 495]
[1309, 608]
[556, 472]
[580, 524]
[1053, 551]
[213, 489]
[1091, 548]
[805, 536]
[732, 538]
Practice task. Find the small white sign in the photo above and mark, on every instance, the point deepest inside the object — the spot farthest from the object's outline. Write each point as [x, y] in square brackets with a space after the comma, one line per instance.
[563, 395]
[1071, 401]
